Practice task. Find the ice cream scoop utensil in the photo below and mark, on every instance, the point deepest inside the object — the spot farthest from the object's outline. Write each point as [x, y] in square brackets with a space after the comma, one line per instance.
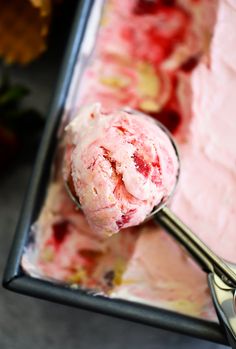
[221, 275]
[224, 301]
[207, 259]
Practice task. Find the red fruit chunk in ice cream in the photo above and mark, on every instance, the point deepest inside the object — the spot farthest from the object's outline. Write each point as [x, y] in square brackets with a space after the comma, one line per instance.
[142, 166]
[60, 230]
[158, 38]
[168, 117]
[190, 64]
[122, 164]
[143, 7]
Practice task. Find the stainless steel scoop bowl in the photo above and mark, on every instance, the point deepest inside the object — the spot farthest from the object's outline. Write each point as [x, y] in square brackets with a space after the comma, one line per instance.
[221, 274]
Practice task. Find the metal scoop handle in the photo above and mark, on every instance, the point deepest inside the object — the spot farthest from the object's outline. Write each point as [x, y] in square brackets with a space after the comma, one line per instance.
[207, 259]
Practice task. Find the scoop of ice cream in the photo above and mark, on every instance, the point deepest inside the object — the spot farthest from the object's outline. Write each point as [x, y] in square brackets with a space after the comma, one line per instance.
[120, 165]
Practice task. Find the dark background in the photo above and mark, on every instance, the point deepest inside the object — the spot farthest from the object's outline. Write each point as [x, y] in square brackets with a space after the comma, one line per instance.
[31, 323]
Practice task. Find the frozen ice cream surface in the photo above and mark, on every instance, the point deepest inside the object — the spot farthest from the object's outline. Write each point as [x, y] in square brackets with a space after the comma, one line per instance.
[189, 84]
[121, 165]
[212, 144]
[68, 250]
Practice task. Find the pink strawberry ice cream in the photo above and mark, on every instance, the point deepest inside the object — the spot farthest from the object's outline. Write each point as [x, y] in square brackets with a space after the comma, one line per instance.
[181, 73]
[120, 165]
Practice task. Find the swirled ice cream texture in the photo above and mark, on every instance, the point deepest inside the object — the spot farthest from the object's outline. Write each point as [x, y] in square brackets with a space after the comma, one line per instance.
[121, 164]
[190, 90]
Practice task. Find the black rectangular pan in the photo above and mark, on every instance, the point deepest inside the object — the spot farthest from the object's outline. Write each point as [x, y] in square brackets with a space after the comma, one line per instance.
[14, 278]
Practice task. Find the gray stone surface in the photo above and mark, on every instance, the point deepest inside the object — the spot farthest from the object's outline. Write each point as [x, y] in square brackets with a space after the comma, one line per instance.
[31, 323]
